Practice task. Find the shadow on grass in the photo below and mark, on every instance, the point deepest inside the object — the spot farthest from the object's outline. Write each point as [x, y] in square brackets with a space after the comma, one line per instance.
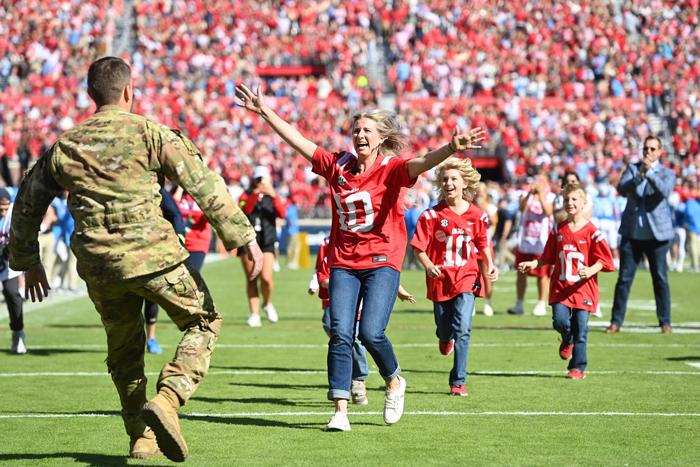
[51, 352]
[82, 458]
[282, 386]
[258, 368]
[684, 359]
[485, 373]
[251, 421]
[256, 400]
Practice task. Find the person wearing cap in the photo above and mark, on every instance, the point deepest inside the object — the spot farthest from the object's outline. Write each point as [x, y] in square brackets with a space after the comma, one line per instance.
[10, 278]
[262, 206]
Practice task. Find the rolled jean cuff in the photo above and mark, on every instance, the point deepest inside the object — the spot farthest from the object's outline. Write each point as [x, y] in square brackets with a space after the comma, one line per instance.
[338, 394]
[393, 375]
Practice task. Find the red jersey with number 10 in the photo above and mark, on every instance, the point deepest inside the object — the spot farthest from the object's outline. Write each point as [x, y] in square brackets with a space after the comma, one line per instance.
[567, 251]
[449, 240]
[368, 228]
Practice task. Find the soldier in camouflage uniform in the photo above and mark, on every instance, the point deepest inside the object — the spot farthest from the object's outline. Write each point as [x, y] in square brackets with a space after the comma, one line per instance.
[113, 166]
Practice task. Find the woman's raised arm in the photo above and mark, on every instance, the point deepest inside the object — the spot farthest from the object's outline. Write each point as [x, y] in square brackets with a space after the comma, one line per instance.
[256, 104]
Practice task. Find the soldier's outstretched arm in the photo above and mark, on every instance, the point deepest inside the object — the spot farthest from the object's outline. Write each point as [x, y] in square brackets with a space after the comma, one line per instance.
[181, 161]
[35, 194]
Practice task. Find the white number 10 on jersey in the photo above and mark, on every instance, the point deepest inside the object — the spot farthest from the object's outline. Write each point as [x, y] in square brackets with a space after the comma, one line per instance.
[567, 265]
[352, 218]
[455, 258]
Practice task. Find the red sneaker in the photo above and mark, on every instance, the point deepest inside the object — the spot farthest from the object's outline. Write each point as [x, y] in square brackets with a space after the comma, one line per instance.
[575, 374]
[565, 351]
[458, 390]
[446, 349]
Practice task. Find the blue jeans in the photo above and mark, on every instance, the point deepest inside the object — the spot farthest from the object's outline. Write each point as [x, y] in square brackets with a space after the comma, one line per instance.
[572, 324]
[454, 321]
[360, 371]
[630, 255]
[377, 288]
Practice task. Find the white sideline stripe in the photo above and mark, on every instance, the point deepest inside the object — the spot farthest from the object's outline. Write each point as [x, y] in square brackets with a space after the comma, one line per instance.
[696, 365]
[323, 372]
[323, 346]
[303, 414]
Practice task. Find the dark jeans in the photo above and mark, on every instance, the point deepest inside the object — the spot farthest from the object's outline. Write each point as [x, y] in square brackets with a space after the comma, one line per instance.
[572, 324]
[631, 253]
[377, 288]
[453, 319]
[10, 289]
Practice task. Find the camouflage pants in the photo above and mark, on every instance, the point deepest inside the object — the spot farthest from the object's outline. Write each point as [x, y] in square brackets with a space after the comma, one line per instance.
[184, 296]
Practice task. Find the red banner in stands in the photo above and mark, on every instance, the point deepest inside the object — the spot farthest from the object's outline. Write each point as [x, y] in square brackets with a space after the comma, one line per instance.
[303, 70]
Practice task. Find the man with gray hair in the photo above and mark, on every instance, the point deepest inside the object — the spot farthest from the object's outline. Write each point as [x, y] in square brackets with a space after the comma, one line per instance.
[113, 166]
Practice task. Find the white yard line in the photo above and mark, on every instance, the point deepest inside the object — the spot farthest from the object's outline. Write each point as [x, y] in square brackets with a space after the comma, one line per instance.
[323, 372]
[418, 413]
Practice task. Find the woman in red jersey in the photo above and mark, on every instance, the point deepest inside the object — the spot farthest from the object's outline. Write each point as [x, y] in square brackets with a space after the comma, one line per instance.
[368, 236]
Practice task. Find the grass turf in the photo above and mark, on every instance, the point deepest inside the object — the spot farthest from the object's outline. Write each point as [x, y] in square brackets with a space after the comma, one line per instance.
[520, 410]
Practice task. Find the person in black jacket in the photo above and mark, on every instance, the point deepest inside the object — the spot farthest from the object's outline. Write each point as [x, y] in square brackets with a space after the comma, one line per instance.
[172, 214]
[262, 206]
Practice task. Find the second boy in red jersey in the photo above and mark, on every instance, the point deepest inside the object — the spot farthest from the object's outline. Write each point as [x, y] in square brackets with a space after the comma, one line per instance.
[578, 251]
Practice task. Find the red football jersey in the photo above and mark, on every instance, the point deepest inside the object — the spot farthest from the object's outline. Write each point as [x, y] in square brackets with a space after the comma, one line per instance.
[450, 240]
[322, 271]
[198, 235]
[567, 251]
[368, 228]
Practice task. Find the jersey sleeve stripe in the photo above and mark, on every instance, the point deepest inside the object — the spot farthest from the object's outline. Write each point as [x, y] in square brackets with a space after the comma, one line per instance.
[386, 160]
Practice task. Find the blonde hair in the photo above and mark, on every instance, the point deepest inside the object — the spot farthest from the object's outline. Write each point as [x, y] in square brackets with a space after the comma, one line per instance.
[389, 127]
[469, 174]
[571, 187]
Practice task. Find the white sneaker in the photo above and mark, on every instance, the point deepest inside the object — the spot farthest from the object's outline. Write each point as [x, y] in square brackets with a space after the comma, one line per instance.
[393, 403]
[598, 312]
[339, 422]
[488, 311]
[276, 266]
[271, 313]
[18, 342]
[540, 309]
[254, 320]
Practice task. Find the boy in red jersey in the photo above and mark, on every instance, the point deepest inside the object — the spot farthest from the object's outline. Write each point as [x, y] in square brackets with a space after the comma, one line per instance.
[578, 251]
[445, 241]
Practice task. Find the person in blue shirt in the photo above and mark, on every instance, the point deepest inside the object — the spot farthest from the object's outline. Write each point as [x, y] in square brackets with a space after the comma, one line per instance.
[605, 217]
[678, 242]
[293, 246]
[692, 222]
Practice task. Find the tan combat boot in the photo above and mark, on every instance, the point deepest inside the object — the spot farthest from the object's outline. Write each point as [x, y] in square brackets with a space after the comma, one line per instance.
[160, 414]
[144, 446]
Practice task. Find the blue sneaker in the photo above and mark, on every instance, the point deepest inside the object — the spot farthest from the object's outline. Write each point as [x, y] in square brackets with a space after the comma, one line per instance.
[153, 346]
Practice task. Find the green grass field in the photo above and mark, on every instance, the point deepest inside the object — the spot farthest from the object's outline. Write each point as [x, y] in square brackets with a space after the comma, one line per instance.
[263, 402]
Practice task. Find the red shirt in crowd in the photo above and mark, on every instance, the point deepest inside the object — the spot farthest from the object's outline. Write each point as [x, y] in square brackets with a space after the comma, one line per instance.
[198, 236]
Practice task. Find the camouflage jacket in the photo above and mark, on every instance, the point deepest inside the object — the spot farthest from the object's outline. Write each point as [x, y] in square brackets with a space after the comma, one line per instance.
[113, 166]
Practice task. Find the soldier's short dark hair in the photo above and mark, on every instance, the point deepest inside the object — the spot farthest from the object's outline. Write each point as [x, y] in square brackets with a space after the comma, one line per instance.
[107, 78]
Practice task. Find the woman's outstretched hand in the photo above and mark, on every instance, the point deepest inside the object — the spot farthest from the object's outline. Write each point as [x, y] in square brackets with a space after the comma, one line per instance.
[463, 141]
[253, 102]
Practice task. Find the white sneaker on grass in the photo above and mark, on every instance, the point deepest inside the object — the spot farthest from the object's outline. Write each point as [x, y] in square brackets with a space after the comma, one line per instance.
[488, 311]
[540, 309]
[271, 313]
[598, 312]
[18, 342]
[393, 403]
[339, 422]
[254, 320]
